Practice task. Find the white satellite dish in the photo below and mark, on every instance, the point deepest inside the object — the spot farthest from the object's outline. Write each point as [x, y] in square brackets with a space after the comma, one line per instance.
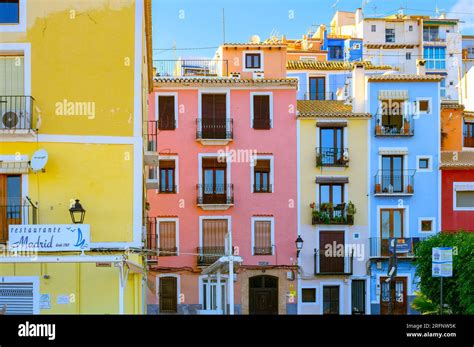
[39, 160]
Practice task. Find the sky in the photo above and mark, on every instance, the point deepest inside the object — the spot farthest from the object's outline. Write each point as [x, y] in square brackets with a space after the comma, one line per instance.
[191, 24]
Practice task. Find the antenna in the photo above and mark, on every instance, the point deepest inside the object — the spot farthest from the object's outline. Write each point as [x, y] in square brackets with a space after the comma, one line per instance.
[223, 25]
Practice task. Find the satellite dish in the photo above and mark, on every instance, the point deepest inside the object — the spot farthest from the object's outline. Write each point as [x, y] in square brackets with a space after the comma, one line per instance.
[39, 160]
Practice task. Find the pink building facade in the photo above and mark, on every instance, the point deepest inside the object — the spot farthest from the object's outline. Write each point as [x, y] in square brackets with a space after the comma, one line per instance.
[227, 165]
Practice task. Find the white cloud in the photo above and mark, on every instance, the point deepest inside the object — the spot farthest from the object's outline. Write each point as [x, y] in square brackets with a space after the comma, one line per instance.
[463, 10]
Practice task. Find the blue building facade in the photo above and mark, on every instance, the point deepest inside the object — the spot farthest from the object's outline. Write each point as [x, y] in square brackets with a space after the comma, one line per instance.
[405, 183]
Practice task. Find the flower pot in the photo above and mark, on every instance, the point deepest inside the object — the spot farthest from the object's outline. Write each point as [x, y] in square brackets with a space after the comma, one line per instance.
[406, 128]
[378, 188]
[378, 129]
[409, 189]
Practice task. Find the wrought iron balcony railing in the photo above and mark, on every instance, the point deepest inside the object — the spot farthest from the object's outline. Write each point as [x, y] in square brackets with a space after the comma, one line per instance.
[262, 188]
[16, 112]
[208, 255]
[382, 247]
[318, 96]
[215, 194]
[263, 250]
[394, 125]
[332, 156]
[214, 129]
[328, 263]
[190, 68]
[150, 132]
[14, 214]
[327, 213]
[394, 182]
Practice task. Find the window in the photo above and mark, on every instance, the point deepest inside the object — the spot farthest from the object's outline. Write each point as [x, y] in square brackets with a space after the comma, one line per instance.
[410, 28]
[335, 53]
[435, 57]
[308, 295]
[426, 225]
[214, 123]
[214, 188]
[262, 176]
[468, 134]
[431, 33]
[252, 60]
[168, 294]
[373, 28]
[408, 56]
[210, 296]
[166, 112]
[331, 150]
[391, 225]
[262, 234]
[330, 299]
[212, 239]
[392, 117]
[442, 89]
[9, 11]
[167, 238]
[167, 176]
[423, 106]
[330, 195]
[261, 111]
[392, 174]
[317, 88]
[424, 164]
[463, 196]
[389, 35]
[11, 208]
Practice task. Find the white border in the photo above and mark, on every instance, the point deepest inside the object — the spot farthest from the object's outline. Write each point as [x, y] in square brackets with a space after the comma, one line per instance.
[430, 106]
[455, 185]
[178, 288]
[406, 218]
[201, 218]
[430, 163]
[24, 48]
[27, 279]
[252, 171]
[175, 158]
[244, 61]
[157, 231]
[176, 103]
[433, 225]
[21, 26]
[215, 155]
[272, 233]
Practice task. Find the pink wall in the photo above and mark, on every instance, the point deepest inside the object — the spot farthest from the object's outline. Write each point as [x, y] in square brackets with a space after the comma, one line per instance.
[455, 220]
[280, 141]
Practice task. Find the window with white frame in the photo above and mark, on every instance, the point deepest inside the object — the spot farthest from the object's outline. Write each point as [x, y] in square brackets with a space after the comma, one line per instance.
[308, 295]
[426, 224]
[463, 196]
[423, 105]
[167, 111]
[253, 60]
[214, 294]
[167, 175]
[424, 163]
[262, 235]
[261, 110]
[373, 28]
[12, 15]
[262, 174]
[167, 237]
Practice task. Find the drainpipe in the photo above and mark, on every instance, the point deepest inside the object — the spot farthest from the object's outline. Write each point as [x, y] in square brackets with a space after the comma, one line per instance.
[231, 277]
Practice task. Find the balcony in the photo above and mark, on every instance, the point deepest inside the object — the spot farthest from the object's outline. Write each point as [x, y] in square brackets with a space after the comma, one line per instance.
[150, 133]
[215, 196]
[394, 125]
[208, 255]
[318, 96]
[214, 132]
[154, 249]
[12, 214]
[190, 68]
[167, 189]
[468, 140]
[327, 264]
[258, 188]
[380, 247]
[326, 213]
[16, 112]
[393, 183]
[332, 157]
[262, 250]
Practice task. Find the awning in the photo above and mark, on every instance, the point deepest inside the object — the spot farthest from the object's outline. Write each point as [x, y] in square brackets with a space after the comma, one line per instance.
[393, 94]
[222, 265]
[332, 179]
[14, 167]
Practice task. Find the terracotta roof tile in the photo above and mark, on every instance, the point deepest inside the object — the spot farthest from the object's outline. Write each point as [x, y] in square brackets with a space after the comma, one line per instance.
[457, 160]
[405, 78]
[327, 108]
[330, 65]
[223, 81]
[450, 105]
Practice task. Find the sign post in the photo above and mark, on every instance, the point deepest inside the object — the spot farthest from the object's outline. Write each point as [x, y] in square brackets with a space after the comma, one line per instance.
[442, 266]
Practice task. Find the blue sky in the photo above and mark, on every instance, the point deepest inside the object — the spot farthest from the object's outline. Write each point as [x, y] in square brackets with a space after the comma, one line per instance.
[198, 23]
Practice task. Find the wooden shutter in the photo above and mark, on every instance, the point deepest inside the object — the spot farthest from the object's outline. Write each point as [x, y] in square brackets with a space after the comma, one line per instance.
[263, 237]
[166, 113]
[261, 111]
[167, 164]
[17, 297]
[330, 263]
[168, 295]
[167, 236]
[214, 163]
[214, 232]
[262, 165]
[3, 209]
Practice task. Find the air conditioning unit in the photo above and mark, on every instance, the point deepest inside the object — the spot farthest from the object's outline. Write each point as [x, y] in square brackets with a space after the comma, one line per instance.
[10, 120]
[258, 75]
[235, 75]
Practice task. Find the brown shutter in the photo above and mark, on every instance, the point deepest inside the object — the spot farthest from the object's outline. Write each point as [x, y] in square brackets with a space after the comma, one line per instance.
[262, 234]
[333, 179]
[167, 164]
[168, 295]
[167, 235]
[166, 112]
[331, 124]
[207, 107]
[262, 165]
[214, 162]
[3, 209]
[220, 107]
[261, 112]
[330, 263]
[214, 232]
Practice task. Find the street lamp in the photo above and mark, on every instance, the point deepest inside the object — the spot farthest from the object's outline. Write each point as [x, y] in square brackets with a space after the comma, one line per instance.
[299, 245]
[77, 213]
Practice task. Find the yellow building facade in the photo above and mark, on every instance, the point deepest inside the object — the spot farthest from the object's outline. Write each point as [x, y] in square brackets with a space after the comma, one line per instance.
[73, 83]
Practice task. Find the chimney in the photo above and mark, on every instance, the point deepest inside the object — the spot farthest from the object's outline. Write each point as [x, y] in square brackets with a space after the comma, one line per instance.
[420, 67]
[358, 88]
[359, 16]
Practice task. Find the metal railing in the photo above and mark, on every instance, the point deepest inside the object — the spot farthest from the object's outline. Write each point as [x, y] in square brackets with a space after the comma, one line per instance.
[15, 214]
[318, 96]
[262, 250]
[167, 189]
[395, 182]
[468, 140]
[259, 188]
[166, 124]
[150, 133]
[380, 247]
[152, 241]
[332, 156]
[326, 263]
[214, 129]
[215, 194]
[208, 255]
[16, 112]
[190, 68]
[405, 126]
[329, 214]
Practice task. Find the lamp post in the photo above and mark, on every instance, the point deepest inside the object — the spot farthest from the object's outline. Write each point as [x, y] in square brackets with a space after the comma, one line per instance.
[299, 245]
[77, 213]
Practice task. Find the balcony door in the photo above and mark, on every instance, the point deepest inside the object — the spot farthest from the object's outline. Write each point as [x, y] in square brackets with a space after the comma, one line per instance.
[214, 181]
[329, 244]
[330, 299]
[331, 200]
[317, 88]
[10, 203]
[392, 116]
[214, 116]
[214, 233]
[392, 173]
[331, 145]
[391, 226]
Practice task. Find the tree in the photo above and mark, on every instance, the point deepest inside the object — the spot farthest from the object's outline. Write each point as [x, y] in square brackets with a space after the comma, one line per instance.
[458, 291]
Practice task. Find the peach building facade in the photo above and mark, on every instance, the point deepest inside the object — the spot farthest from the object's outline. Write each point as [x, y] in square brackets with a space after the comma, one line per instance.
[227, 165]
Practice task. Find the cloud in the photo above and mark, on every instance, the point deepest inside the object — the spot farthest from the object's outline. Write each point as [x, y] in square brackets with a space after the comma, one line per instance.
[463, 10]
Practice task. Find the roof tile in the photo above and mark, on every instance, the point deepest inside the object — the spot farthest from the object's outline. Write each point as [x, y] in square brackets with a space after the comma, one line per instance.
[327, 108]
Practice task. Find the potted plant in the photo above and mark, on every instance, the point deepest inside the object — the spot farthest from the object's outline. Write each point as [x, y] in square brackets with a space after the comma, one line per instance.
[378, 128]
[378, 188]
[409, 189]
[351, 211]
[406, 126]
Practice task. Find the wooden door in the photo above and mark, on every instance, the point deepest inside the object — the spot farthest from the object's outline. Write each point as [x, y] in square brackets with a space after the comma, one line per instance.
[214, 181]
[331, 262]
[398, 296]
[263, 295]
[168, 295]
[214, 116]
[10, 203]
[358, 297]
[330, 299]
